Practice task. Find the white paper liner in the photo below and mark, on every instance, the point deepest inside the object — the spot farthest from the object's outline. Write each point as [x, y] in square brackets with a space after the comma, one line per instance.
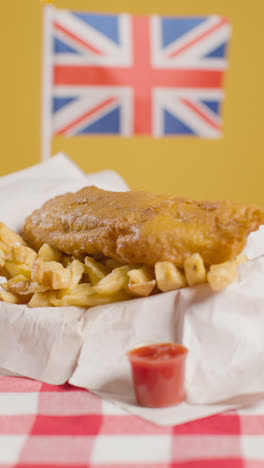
[88, 347]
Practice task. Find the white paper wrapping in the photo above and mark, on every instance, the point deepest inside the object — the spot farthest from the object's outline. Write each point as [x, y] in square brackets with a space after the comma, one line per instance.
[223, 331]
[43, 344]
[255, 244]
[228, 326]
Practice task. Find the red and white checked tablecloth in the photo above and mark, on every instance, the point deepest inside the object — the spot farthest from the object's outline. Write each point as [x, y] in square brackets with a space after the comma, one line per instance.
[50, 427]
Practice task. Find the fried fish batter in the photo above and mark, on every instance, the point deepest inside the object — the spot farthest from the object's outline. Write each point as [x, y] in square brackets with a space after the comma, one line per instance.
[140, 227]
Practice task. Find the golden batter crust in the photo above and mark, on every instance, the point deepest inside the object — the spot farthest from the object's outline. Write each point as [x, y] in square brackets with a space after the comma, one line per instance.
[140, 227]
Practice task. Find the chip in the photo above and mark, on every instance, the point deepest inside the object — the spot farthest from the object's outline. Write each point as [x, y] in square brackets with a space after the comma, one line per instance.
[95, 270]
[49, 254]
[221, 275]
[169, 277]
[194, 269]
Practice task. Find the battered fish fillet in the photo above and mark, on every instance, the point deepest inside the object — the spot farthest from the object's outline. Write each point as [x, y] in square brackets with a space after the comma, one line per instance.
[140, 227]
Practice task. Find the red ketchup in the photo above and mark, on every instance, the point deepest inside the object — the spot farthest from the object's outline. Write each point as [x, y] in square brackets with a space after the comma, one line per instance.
[158, 374]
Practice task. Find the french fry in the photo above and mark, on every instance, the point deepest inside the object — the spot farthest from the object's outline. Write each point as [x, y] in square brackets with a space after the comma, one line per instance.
[49, 254]
[111, 264]
[83, 295]
[168, 277]
[194, 269]
[221, 275]
[19, 285]
[14, 269]
[22, 254]
[241, 258]
[42, 299]
[141, 281]
[96, 271]
[5, 251]
[9, 297]
[76, 269]
[37, 271]
[113, 282]
[52, 275]
[141, 289]
[56, 276]
[10, 237]
[77, 296]
[22, 288]
[141, 275]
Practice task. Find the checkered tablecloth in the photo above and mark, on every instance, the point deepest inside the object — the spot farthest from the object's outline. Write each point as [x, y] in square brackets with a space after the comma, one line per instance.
[49, 427]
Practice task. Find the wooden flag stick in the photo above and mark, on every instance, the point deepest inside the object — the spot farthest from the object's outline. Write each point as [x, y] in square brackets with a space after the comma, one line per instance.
[47, 75]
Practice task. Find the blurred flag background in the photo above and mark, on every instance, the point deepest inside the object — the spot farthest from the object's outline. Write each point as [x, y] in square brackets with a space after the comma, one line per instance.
[229, 167]
[132, 75]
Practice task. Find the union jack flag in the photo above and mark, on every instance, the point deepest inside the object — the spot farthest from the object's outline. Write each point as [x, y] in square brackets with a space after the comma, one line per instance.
[126, 75]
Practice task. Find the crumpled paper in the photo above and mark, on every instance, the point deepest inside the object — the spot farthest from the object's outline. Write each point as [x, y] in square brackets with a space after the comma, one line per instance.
[223, 331]
[26, 190]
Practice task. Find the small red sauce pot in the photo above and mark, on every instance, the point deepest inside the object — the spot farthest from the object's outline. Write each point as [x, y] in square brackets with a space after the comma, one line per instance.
[158, 372]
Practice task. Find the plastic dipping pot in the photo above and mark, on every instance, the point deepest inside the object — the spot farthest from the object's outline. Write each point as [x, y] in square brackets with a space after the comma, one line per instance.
[158, 372]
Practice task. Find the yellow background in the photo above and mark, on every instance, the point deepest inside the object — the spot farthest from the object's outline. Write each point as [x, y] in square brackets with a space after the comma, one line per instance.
[232, 167]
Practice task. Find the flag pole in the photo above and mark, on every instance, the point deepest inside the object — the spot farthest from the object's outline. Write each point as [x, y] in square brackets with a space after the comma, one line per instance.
[47, 75]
